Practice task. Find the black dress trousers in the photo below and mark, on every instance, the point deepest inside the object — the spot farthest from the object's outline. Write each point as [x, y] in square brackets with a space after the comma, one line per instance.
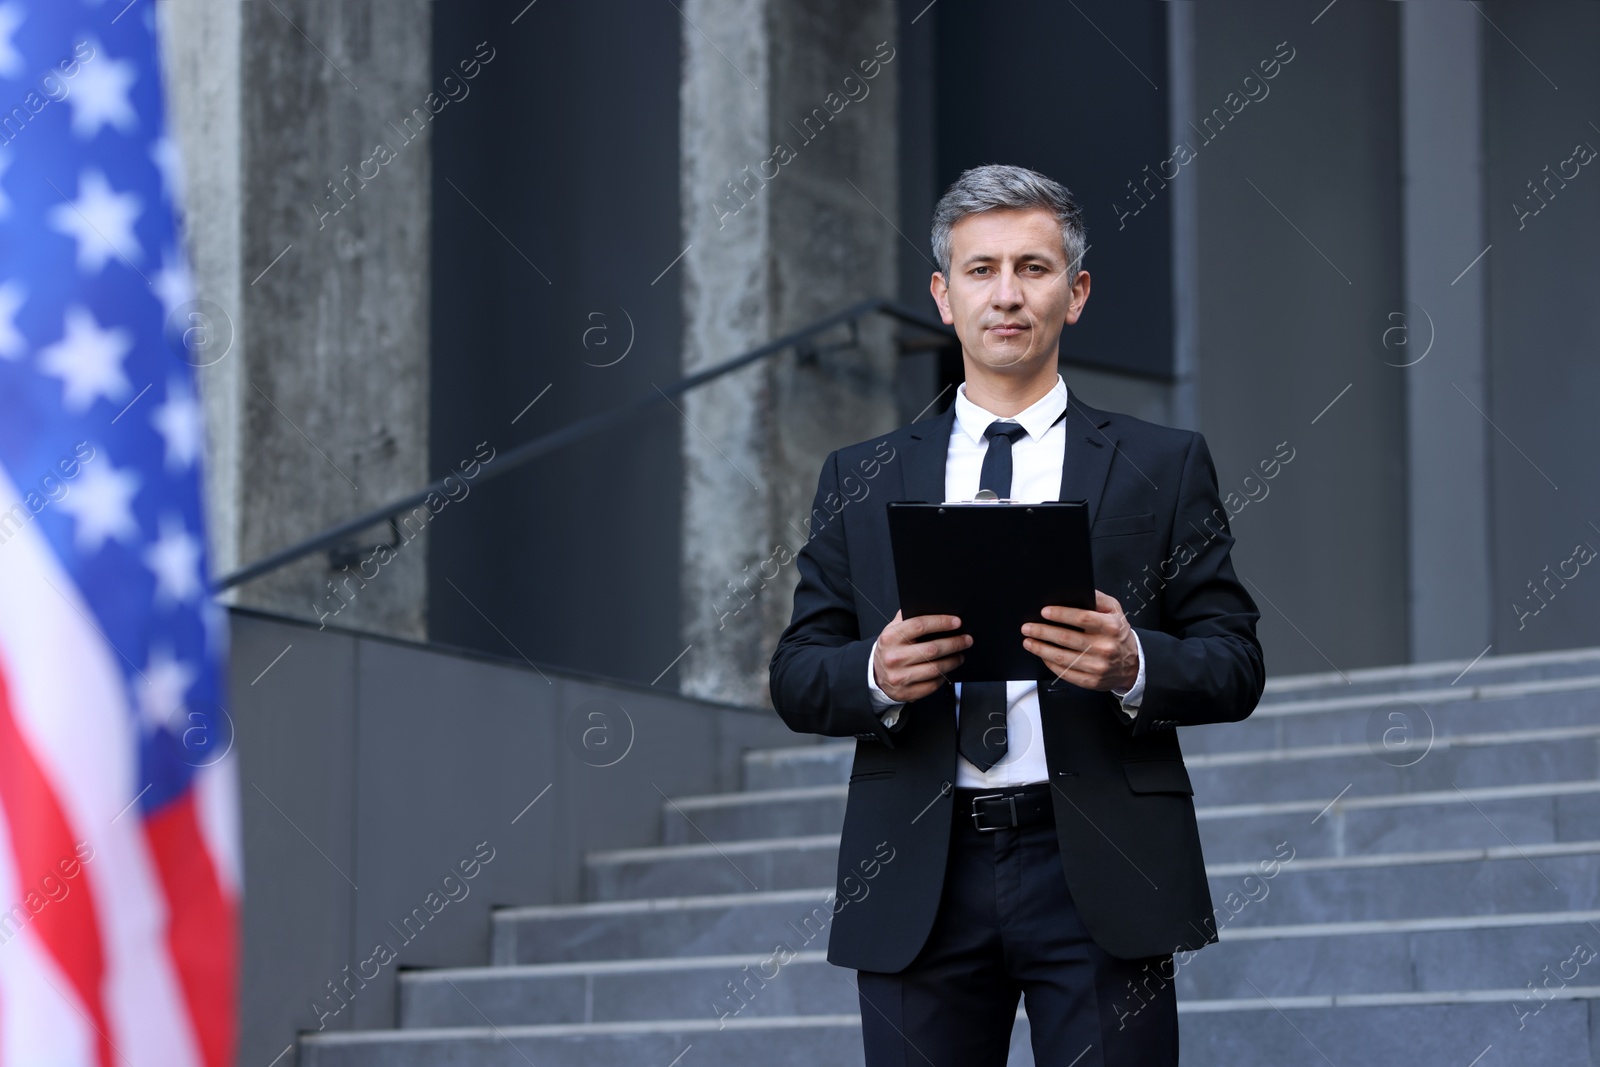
[1007, 927]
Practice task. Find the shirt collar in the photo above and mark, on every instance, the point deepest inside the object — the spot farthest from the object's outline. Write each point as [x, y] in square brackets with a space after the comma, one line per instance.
[1035, 419]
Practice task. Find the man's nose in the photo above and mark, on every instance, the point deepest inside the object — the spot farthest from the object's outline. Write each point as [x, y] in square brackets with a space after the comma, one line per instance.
[1008, 294]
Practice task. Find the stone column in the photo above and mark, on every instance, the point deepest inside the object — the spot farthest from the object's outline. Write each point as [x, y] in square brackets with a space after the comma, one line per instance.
[788, 141]
[200, 51]
[1444, 350]
[304, 130]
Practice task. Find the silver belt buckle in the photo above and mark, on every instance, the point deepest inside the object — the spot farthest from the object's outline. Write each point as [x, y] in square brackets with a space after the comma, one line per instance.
[1011, 800]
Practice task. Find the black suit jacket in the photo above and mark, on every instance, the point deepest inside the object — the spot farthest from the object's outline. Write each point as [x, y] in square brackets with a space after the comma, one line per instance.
[1123, 803]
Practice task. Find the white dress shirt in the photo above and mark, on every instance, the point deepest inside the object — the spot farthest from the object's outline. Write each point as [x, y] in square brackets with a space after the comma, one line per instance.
[1036, 460]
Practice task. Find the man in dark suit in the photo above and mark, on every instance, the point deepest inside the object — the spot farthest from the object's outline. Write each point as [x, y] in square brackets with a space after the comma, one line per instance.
[1035, 837]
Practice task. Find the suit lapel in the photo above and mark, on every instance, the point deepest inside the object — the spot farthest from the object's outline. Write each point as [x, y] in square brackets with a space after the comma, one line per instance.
[1087, 458]
[1085, 464]
[925, 457]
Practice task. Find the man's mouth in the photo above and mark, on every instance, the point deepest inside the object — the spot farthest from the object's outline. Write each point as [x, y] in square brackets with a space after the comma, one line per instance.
[1007, 329]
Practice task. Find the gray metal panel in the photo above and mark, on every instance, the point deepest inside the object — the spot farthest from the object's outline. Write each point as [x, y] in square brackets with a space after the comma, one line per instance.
[295, 739]
[450, 751]
[619, 806]
[391, 761]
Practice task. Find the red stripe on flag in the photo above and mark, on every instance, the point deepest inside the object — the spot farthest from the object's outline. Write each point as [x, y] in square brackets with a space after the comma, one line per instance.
[42, 847]
[201, 931]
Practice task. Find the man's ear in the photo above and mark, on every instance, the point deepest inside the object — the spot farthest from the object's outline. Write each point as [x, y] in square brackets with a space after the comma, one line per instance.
[1083, 280]
[941, 297]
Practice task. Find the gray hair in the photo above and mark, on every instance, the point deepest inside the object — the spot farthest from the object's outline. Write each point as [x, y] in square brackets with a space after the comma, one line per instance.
[997, 185]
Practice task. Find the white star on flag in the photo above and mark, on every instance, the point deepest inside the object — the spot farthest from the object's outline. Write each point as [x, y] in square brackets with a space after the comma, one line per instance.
[11, 17]
[101, 220]
[175, 560]
[88, 360]
[178, 421]
[174, 284]
[12, 343]
[170, 163]
[162, 689]
[100, 95]
[101, 501]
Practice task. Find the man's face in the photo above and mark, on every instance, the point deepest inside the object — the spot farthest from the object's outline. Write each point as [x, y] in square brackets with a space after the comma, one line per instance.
[1009, 294]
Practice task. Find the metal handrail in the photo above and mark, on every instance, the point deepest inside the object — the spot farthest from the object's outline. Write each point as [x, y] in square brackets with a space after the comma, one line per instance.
[524, 454]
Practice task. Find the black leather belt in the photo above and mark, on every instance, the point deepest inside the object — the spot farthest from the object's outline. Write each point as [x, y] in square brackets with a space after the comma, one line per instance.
[990, 811]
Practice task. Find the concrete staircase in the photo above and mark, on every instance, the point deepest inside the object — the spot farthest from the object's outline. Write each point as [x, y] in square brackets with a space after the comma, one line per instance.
[1430, 895]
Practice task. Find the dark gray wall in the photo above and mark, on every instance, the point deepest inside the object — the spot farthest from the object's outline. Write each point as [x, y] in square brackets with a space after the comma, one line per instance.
[1087, 107]
[567, 149]
[1544, 321]
[1298, 255]
[369, 768]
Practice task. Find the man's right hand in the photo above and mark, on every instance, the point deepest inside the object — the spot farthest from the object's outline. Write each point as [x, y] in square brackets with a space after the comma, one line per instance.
[907, 668]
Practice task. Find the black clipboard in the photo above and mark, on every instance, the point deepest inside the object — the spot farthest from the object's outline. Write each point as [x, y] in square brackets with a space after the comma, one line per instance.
[995, 565]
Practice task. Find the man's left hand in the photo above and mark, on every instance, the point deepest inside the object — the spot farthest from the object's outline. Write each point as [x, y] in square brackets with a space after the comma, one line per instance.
[1090, 649]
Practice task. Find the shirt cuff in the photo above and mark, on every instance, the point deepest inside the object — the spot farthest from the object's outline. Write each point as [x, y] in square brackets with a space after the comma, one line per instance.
[888, 710]
[1133, 697]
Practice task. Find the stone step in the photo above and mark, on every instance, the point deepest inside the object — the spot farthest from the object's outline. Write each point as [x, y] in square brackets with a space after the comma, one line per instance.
[1464, 761]
[1400, 725]
[1457, 1027]
[1394, 730]
[792, 976]
[796, 1041]
[770, 983]
[800, 812]
[689, 926]
[1485, 670]
[751, 924]
[1333, 888]
[694, 870]
[1397, 956]
[827, 763]
[1467, 760]
[1557, 811]
[1477, 1028]
[1405, 822]
[756, 922]
[1508, 879]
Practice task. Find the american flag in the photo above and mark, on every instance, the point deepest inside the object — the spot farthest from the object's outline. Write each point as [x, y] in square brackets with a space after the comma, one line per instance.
[119, 841]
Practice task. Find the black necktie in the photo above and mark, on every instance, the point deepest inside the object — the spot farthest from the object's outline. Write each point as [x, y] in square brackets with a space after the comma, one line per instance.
[981, 733]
